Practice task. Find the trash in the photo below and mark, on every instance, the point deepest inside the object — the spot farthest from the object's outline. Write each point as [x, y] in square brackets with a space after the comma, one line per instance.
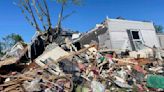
[139, 69]
[155, 81]
[139, 77]
[51, 56]
[82, 89]
[97, 86]
[63, 67]
[68, 66]
[156, 69]
[121, 84]
[122, 73]
[32, 86]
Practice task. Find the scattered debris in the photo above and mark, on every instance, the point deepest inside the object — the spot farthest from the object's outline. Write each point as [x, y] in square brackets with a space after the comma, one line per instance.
[69, 67]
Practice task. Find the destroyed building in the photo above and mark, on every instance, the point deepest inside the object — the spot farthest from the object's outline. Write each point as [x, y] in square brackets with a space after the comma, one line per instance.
[67, 61]
[58, 65]
[58, 60]
[119, 34]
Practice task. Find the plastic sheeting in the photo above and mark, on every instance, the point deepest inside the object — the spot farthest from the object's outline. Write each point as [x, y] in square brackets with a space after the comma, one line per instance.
[155, 81]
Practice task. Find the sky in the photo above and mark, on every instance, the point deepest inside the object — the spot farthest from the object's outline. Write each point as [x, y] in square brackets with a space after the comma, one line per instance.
[85, 17]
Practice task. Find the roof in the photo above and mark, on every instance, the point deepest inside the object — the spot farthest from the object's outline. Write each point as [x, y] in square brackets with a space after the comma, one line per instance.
[120, 25]
[132, 21]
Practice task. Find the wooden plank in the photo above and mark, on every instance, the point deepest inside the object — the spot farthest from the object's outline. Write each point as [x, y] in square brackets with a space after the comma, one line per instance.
[11, 87]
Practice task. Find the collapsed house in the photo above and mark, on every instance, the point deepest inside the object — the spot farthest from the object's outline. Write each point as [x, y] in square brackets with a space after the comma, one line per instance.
[119, 34]
[68, 62]
[61, 61]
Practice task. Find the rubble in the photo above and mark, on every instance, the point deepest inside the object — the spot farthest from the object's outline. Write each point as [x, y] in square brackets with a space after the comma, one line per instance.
[64, 68]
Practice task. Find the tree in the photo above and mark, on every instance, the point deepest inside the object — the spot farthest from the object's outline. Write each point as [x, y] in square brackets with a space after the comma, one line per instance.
[10, 40]
[36, 11]
[33, 9]
[63, 4]
[158, 28]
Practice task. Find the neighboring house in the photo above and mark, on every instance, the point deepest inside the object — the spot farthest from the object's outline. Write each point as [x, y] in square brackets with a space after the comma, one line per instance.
[118, 34]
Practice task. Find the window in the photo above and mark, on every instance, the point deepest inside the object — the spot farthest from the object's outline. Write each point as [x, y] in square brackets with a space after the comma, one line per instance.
[139, 45]
[136, 40]
[135, 35]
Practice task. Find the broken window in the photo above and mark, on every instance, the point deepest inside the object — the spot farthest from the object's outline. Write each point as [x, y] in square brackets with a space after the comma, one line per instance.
[135, 39]
[135, 34]
[139, 45]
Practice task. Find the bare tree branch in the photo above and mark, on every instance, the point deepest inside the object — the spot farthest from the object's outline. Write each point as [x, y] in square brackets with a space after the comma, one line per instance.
[28, 8]
[32, 14]
[68, 15]
[26, 17]
[40, 16]
[48, 14]
[60, 18]
[41, 8]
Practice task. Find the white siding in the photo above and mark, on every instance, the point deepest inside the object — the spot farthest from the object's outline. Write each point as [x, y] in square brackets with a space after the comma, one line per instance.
[122, 25]
[119, 39]
[150, 38]
[161, 40]
[118, 32]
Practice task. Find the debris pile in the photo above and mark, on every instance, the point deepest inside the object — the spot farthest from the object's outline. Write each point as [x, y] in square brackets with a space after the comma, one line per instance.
[64, 68]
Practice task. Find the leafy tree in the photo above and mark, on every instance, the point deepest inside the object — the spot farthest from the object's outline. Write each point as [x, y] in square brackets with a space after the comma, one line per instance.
[10, 40]
[158, 28]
